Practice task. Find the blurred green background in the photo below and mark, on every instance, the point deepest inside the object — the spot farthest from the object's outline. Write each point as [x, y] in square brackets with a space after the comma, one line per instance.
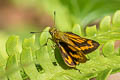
[19, 17]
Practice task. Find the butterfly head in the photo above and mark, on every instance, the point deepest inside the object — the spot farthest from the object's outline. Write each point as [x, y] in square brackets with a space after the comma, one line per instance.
[52, 31]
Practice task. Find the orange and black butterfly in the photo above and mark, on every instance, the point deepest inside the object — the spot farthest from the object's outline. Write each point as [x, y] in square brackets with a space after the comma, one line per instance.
[73, 47]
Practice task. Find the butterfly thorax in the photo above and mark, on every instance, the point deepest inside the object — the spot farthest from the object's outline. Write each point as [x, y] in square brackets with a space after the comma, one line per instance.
[57, 35]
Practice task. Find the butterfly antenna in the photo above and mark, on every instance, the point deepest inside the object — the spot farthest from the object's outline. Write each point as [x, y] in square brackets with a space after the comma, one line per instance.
[37, 32]
[54, 18]
[34, 32]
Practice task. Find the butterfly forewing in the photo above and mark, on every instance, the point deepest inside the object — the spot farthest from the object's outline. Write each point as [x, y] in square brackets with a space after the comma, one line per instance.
[82, 44]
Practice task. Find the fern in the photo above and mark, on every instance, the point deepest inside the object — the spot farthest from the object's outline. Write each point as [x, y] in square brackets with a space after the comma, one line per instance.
[23, 65]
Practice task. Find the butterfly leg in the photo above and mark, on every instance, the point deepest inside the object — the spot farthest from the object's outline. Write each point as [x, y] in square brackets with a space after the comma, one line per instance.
[47, 41]
[88, 58]
[53, 46]
[77, 69]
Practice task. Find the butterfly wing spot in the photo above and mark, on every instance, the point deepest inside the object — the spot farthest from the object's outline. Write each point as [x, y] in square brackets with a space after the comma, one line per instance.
[62, 49]
[78, 57]
[86, 47]
[77, 62]
[74, 55]
[78, 40]
[82, 58]
[73, 49]
[69, 60]
[70, 34]
[89, 42]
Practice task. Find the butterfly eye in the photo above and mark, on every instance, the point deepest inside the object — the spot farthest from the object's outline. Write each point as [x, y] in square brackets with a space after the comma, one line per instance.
[52, 31]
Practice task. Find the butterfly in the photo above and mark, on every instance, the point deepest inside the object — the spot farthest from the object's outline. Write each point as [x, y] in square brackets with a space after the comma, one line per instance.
[73, 48]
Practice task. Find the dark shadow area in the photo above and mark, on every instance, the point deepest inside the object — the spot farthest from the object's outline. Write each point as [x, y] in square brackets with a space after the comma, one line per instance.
[39, 68]
[24, 75]
[54, 63]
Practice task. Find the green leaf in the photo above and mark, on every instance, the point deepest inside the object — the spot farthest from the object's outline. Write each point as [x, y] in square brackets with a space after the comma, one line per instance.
[44, 36]
[114, 62]
[108, 48]
[2, 73]
[105, 24]
[107, 31]
[29, 42]
[13, 69]
[12, 45]
[116, 19]
[2, 60]
[77, 29]
[104, 74]
[91, 31]
[51, 48]
[13, 59]
[44, 59]
[28, 64]
[94, 54]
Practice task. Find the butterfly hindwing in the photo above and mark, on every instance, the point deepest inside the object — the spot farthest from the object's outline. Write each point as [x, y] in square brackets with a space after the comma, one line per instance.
[82, 44]
[70, 55]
